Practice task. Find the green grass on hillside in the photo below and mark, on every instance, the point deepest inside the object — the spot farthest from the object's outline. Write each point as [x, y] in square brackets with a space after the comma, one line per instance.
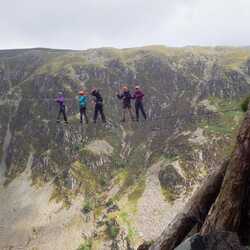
[85, 246]
[226, 120]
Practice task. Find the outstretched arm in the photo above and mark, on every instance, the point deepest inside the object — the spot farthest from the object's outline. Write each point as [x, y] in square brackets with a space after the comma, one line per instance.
[120, 96]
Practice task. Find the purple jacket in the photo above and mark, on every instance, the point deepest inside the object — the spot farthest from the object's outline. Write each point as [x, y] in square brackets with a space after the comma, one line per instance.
[138, 95]
[60, 101]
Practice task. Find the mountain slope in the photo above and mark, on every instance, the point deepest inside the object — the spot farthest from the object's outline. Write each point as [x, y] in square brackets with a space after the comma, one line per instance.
[191, 97]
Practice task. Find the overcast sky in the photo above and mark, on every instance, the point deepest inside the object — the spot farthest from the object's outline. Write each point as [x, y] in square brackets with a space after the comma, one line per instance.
[81, 24]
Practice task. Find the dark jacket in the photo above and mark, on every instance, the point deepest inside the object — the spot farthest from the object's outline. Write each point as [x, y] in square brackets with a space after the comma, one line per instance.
[126, 98]
[138, 95]
[98, 97]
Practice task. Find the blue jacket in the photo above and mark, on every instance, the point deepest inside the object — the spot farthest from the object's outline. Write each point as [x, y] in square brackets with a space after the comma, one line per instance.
[83, 101]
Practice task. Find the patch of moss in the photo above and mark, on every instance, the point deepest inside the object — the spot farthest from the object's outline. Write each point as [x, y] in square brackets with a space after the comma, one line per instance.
[190, 173]
[86, 177]
[103, 180]
[169, 157]
[59, 63]
[113, 228]
[129, 178]
[117, 162]
[134, 187]
[169, 195]
[98, 211]
[226, 121]
[88, 153]
[85, 246]
[223, 104]
[120, 176]
[125, 216]
[88, 206]
[124, 219]
[61, 194]
[138, 190]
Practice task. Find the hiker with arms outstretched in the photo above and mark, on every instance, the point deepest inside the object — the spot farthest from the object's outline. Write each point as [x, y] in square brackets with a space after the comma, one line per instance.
[62, 108]
[98, 101]
[126, 97]
[83, 99]
[138, 96]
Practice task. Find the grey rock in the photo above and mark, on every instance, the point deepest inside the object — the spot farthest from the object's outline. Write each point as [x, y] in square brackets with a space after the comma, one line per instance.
[170, 178]
[112, 208]
[213, 241]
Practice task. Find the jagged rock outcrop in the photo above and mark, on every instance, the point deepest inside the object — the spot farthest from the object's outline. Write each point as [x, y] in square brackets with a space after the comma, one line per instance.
[212, 241]
[227, 211]
[225, 202]
[194, 213]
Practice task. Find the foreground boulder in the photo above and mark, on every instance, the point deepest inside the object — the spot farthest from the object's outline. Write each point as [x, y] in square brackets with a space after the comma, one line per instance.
[212, 241]
[144, 246]
[220, 205]
[194, 212]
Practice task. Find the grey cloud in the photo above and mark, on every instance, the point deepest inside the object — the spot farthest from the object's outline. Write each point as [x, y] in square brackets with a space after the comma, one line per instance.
[81, 24]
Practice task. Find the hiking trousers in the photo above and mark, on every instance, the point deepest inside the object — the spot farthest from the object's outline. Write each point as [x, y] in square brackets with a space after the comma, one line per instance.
[99, 110]
[127, 110]
[139, 107]
[83, 113]
[62, 111]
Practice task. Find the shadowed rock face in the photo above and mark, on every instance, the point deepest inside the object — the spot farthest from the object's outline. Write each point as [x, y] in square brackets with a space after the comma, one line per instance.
[170, 178]
[180, 86]
[212, 241]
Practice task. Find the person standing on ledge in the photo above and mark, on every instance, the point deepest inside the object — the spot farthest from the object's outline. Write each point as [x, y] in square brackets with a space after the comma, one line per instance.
[62, 108]
[98, 105]
[126, 97]
[138, 96]
[83, 99]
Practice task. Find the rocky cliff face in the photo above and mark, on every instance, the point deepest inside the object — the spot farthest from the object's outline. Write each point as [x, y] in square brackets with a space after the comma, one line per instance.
[131, 178]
